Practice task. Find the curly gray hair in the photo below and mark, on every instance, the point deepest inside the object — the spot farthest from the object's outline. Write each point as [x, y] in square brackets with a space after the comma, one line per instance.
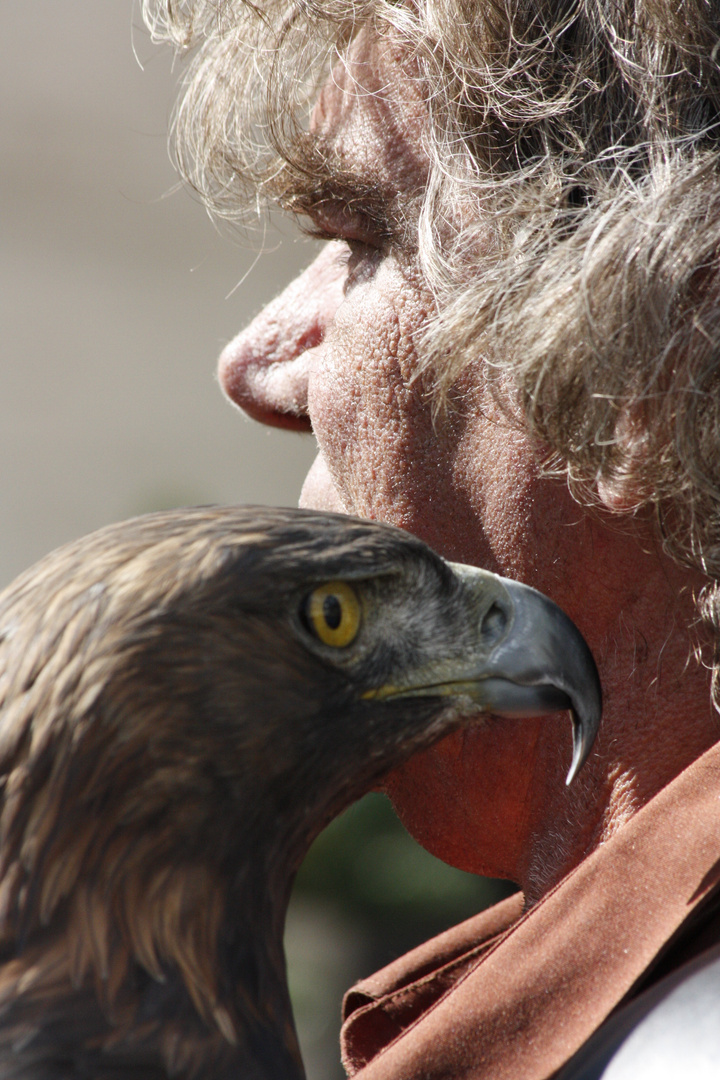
[574, 170]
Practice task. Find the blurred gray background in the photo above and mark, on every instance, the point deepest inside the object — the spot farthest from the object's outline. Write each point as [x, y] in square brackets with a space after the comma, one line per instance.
[117, 295]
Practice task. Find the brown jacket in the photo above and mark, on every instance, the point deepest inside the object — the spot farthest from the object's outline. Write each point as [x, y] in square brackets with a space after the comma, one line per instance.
[512, 996]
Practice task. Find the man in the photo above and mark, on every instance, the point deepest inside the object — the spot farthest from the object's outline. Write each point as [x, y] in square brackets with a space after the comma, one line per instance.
[509, 347]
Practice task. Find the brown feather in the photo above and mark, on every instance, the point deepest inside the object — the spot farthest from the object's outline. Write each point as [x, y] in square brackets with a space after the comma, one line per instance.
[171, 741]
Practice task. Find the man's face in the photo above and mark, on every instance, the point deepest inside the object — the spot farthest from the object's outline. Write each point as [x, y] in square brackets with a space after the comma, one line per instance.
[338, 353]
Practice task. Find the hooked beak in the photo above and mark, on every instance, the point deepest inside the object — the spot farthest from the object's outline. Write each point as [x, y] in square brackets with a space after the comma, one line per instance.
[519, 655]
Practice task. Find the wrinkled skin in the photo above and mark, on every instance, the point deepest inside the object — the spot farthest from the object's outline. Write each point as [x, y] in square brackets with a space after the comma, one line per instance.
[336, 353]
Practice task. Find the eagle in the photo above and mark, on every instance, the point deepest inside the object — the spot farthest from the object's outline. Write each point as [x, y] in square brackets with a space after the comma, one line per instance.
[186, 699]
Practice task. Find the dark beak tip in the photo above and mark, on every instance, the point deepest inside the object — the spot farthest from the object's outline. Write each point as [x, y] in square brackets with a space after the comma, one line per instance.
[585, 727]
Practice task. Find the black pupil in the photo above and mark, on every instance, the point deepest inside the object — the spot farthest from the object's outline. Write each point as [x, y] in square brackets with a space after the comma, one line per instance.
[332, 612]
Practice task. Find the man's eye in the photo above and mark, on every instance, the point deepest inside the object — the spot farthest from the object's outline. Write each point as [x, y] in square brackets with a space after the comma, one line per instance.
[354, 238]
[362, 262]
[359, 257]
[352, 226]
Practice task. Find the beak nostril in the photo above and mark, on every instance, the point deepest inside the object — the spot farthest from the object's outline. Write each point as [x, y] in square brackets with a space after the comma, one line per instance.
[493, 624]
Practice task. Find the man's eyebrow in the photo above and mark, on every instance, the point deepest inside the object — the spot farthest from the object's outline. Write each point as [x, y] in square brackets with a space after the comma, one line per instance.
[319, 189]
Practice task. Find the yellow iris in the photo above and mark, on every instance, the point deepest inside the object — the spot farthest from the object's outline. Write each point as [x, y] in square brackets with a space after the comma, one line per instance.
[334, 613]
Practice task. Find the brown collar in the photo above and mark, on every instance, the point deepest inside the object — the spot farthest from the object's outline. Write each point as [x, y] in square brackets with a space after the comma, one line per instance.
[509, 996]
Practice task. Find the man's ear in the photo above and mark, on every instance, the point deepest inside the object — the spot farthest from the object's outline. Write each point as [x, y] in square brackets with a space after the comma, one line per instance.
[623, 487]
[620, 494]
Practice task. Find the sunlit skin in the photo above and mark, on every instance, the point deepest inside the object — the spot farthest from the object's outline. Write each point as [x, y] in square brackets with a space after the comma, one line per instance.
[336, 354]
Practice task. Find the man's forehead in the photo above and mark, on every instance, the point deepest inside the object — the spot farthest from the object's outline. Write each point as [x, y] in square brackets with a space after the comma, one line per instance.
[371, 113]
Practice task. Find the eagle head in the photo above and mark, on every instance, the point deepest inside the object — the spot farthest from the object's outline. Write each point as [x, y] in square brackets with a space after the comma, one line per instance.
[186, 699]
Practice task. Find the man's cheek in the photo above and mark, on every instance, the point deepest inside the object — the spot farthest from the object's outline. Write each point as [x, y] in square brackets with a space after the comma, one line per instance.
[333, 413]
[370, 416]
[350, 401]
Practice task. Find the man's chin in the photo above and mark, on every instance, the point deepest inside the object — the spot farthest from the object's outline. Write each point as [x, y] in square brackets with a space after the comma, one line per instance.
[318, 491]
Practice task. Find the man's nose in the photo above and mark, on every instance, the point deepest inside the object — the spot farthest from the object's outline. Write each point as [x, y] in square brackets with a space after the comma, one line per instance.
[265, 369]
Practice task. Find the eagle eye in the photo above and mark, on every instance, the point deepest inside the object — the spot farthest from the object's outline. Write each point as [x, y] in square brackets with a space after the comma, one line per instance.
[332, 613]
